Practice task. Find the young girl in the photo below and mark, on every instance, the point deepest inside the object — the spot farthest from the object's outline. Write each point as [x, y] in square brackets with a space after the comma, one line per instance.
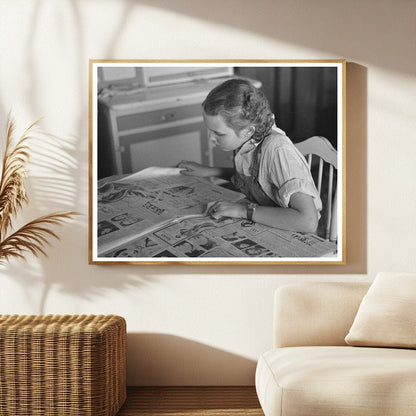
[268, 168]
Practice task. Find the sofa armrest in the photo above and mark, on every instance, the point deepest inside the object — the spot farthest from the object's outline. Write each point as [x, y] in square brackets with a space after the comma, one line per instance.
[308, 314]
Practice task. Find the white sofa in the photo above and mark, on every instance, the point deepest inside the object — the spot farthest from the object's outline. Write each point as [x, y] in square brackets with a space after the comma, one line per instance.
[311, 371]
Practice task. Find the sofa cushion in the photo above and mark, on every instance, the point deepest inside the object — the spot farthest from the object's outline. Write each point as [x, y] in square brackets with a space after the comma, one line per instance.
[386, 316]
[304, 381]
[318, 313]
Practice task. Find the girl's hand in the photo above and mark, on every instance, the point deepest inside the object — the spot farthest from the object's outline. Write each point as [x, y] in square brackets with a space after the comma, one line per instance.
[226, 209]
[194, 169]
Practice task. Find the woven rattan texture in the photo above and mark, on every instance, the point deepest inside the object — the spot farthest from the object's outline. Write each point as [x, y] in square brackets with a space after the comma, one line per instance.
[53, 365]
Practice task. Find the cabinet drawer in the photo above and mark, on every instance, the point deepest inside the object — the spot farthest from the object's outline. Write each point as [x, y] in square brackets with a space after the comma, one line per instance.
[166, 115]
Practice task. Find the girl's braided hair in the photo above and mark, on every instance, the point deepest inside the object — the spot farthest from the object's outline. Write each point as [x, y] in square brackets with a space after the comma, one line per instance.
[240, 104]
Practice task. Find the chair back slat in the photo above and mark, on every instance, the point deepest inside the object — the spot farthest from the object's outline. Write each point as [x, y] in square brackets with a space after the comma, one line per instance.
[320, 172]
[309, 158]
[333, 229]
[329, 201]
[328, 161]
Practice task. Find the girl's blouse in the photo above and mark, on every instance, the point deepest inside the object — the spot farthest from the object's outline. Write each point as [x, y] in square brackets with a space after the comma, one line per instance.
[283, 170]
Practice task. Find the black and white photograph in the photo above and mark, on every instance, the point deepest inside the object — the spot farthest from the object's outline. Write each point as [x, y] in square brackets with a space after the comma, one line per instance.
[217, 161]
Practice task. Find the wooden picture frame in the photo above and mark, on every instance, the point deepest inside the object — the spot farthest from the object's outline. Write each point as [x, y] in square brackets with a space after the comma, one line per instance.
[146, 116]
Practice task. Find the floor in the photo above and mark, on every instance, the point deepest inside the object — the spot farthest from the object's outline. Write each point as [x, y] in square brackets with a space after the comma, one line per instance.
[187, 401]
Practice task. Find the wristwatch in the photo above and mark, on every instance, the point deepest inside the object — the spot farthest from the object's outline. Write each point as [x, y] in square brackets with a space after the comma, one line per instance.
[251, 207]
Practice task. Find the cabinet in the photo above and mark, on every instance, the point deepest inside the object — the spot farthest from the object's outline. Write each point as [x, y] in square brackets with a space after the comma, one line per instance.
[157, 126]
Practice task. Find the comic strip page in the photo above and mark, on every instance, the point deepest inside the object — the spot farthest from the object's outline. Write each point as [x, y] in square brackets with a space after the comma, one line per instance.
[160, 213]
[138, 204]
[205, 237]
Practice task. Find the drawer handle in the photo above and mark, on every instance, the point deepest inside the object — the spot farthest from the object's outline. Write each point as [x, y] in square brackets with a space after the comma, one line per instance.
[167, 116]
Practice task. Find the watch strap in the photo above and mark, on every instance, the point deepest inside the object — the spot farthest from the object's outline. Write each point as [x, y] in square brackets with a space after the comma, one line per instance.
[250, 211]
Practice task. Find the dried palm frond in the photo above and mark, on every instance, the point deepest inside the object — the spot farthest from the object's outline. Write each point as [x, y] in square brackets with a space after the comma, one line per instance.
[32, 237]
[12, 183]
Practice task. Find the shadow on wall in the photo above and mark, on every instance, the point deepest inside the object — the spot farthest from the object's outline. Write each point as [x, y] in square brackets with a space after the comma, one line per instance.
[54, 182]
[334, 27]
[161, 359]
[58, 180]
[81, 286]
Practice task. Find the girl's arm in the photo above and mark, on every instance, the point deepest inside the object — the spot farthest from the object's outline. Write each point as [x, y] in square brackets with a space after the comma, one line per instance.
[300, 216]
[202, 171]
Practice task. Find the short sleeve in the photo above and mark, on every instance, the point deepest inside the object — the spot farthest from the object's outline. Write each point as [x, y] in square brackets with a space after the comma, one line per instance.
[293, 186]
[286, 172]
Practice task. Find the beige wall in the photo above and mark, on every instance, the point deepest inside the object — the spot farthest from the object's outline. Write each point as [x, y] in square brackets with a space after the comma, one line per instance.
[204, 325]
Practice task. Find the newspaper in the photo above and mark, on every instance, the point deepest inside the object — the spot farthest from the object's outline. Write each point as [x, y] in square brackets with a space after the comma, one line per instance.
[158, 212]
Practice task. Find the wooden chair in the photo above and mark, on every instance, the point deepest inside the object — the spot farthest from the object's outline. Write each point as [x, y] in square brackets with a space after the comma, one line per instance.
[322, 159]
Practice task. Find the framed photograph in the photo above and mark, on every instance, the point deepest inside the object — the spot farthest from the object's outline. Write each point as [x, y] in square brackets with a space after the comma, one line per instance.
[217, 162]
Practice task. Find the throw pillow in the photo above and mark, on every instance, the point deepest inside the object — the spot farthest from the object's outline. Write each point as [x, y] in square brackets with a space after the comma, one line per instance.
[386, 316]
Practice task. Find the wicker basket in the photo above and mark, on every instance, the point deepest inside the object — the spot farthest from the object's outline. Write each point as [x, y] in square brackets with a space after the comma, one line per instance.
[71, 365]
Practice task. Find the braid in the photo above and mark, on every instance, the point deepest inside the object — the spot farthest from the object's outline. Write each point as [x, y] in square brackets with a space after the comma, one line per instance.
[241, 105]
